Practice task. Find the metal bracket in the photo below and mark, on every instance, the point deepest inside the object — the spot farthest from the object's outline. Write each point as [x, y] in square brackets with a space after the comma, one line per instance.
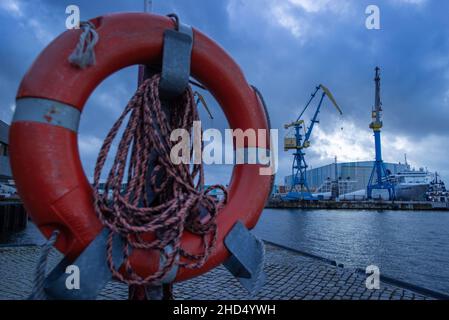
[175, 74]
[247, 257]
[176, 61]
[93, 268]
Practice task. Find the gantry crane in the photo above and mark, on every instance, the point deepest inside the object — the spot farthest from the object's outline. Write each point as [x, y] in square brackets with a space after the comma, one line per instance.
[378, 179]
[301, 141]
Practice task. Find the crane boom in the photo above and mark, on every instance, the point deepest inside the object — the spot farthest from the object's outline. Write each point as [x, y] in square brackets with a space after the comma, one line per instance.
[314, 120]
[308, 103]
[300, 189]
[331, 98]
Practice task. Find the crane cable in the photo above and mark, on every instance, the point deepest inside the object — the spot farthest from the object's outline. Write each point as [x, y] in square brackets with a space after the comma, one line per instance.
[200, 99]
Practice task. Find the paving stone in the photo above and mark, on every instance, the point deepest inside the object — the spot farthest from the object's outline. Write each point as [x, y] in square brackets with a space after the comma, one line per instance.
[290, 275]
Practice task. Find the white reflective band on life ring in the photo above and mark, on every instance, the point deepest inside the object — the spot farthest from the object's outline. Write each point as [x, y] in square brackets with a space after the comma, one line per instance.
[48, 112]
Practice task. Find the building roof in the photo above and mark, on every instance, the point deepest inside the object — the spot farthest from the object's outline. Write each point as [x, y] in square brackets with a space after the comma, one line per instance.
[4, 132]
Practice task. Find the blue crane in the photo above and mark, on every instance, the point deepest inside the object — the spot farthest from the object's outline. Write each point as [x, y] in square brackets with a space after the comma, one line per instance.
[301, 141]
[379, 176]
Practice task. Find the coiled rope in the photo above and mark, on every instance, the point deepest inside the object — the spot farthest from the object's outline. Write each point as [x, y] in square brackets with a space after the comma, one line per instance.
[181, 197]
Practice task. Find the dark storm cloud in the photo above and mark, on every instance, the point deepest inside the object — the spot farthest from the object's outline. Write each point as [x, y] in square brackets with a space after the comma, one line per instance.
[285, 48]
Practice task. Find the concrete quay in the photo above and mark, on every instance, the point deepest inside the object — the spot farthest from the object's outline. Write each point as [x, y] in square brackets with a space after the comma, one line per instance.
[291, 275]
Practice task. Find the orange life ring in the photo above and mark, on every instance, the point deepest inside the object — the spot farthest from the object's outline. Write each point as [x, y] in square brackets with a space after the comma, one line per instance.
[43, 136]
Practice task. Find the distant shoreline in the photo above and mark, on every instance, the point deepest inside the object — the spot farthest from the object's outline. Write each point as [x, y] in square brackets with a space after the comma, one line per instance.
[359, 205]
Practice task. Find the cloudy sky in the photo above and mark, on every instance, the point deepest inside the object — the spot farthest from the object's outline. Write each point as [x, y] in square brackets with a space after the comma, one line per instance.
[285, 48]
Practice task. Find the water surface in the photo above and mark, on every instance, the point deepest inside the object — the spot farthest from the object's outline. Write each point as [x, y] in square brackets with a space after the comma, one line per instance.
[408, 245]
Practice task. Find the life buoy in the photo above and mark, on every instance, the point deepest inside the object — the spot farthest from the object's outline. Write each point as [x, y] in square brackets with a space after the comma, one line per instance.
[43, 136]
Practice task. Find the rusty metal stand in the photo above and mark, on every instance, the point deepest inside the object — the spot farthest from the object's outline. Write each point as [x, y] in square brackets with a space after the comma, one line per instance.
[175, 75]
[142, 293]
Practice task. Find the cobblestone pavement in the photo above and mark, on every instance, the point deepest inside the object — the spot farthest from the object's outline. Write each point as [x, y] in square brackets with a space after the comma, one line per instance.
[290, 275]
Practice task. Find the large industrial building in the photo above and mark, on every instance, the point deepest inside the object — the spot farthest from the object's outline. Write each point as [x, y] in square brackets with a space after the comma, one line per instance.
[352, 176]
[5, 169]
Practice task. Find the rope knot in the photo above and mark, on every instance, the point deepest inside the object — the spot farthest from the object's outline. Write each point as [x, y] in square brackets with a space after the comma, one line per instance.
[84, 54]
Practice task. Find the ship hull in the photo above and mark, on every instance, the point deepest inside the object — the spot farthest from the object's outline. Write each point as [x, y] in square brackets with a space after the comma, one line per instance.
[411, 192]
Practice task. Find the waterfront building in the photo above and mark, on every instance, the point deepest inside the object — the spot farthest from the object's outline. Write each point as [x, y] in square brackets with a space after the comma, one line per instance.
[352, 176]
[5, 169]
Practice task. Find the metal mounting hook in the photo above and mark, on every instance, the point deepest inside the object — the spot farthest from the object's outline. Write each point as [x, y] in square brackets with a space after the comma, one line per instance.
[246, 262]
[176, 59]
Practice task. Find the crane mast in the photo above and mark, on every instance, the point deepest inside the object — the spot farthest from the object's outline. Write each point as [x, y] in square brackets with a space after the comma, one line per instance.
[378, 179]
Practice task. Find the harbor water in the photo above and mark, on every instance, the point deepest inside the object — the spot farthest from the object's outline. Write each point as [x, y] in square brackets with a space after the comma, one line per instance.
[412, 246]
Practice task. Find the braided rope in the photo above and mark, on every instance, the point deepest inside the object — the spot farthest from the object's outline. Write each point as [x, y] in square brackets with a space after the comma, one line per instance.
[38, 292]
[180, 196]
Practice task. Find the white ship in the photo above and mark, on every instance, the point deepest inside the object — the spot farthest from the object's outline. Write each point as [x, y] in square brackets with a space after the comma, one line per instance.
[411, 185]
